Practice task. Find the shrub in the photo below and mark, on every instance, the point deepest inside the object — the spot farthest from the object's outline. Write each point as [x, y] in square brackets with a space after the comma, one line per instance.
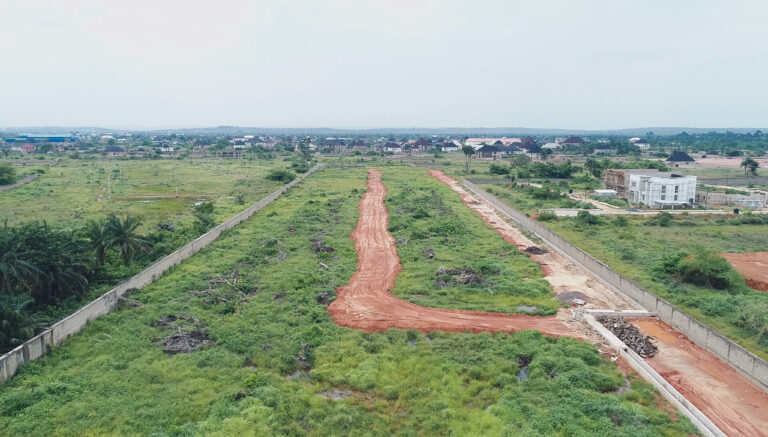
[7, 174]
[499, 169]
[547, 216]
[709, 270]
[281, 175]
[585, 218]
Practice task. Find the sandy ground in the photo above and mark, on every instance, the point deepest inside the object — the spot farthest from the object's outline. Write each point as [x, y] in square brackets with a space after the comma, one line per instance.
[730, 401]
[752, 266]
[734, 162]
[558, 270]
[365, 302]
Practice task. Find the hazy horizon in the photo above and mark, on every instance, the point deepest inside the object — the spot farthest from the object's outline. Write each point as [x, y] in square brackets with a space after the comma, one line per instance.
[591, 65]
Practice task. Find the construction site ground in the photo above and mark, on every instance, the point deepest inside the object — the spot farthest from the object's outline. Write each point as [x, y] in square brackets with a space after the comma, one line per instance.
[733, 403]
[752, 266]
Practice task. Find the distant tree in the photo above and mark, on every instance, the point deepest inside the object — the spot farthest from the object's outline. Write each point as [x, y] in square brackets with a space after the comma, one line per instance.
[469, 152]
[7, 174]
[546, 153]
[750, 166]
[124, 236]
[518, 161]
[594, 167]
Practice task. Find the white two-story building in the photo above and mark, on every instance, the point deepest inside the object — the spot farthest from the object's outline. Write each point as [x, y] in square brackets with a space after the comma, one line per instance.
[661, 190]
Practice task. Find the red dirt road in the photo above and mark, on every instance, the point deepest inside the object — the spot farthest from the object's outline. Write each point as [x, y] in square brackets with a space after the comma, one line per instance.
[753, 267]
[731, 402]
[365, 302]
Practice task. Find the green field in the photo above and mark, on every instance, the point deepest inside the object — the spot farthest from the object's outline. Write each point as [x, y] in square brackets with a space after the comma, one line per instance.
[275, 349]
[72, 191]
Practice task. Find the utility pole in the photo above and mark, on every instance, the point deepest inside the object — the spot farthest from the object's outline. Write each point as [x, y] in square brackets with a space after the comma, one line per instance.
[176, 174]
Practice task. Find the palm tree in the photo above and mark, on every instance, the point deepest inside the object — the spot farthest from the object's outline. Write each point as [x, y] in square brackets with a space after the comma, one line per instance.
[14, 270]
[97, 234]
[468, 151]
[750, 166]
[123, 236]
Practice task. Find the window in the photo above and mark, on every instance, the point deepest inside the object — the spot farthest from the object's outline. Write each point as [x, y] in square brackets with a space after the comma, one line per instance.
[663, 197]
[675, 196]
[663, 188]
[677, 188]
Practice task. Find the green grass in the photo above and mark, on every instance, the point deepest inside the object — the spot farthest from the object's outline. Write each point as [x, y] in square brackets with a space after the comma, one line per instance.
[72, 191]
[114, 379]
[520, 198]
[429, 215]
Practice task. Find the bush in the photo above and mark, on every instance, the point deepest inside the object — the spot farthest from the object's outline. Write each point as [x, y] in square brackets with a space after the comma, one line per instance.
[585, 218]
[547, 216]
[7, 174]
[709, 270]
[499, 169]
[281, 175]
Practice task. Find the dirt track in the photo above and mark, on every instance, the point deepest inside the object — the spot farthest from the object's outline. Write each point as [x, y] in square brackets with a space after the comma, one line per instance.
[558, 271]
[753, 267]
[365, 302]
[731, 402]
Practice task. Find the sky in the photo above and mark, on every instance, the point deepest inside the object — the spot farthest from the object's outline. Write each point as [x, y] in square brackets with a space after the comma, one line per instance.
[573, 64]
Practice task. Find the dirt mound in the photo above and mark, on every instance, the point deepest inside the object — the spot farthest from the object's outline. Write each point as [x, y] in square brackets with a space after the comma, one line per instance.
[185, 342]
[752, 266]
[365, 302]
[630, 335]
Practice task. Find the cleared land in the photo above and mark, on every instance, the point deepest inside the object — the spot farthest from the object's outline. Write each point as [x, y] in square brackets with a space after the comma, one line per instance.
[72, 191]
[752, 266]
[365, 303]
[279, 365]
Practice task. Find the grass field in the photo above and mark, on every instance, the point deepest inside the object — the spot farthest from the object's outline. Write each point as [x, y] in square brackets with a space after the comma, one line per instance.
[426, 215]
[72, 191]
[275, 349]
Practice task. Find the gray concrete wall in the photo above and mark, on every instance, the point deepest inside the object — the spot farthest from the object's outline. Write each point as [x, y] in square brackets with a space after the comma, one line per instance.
[757, 180]
[29, 178]
[39, 345]
[743, 361]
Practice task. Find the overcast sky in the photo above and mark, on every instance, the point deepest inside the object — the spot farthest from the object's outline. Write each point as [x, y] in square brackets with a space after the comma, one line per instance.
[390, 63]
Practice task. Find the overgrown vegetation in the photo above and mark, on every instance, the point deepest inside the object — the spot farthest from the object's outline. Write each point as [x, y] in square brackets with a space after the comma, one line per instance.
[277, 358]
[7, 174]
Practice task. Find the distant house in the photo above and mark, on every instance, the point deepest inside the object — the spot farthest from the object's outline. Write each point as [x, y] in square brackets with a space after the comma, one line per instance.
[449, 146]
[393, 147]
[489, 152]
[230, 153]
[106, 138]
[662, 190]
[334, 145]
[114, 151]
[642, 144]
[573, 141]
[27, 148]
[552, 146]
[421, 144]
[679, 158]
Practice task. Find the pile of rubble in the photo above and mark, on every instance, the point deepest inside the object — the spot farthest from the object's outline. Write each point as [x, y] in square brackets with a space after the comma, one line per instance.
[630, 335]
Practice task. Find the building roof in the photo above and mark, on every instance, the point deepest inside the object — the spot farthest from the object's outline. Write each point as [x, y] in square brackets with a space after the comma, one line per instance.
[641, 142]
[488, 149]
[113, 149]
[27, 146]
[573, 140]
[679, 156]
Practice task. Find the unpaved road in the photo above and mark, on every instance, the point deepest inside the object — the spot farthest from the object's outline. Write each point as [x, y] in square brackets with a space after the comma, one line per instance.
[365, 302]
[752, 266]
[558, 271]
[730, 401]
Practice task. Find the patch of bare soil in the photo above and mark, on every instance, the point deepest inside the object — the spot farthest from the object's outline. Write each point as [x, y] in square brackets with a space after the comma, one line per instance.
[752, 266]
[185, 342]
[731, 402]
[365, 302]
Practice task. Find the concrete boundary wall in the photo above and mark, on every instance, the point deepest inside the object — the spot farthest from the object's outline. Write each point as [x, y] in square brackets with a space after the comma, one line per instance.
[29, 178]
[757, 180]
[59, 331]
[752, 367]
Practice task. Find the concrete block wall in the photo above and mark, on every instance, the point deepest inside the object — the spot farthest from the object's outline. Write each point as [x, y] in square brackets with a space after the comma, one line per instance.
[39, 345]
[752, 367]
[29, 178]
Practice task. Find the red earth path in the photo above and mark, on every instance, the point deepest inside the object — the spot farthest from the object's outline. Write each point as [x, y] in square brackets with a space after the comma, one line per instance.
[365, 302]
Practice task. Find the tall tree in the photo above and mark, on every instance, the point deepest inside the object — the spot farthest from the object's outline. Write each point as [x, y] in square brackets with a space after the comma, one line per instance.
[750, 166]
[97, 233]
[469, 152]
[124, 236]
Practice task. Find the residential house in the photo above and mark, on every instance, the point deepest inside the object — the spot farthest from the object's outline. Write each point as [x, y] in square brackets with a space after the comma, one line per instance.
[663, 190]
[680, 159]
[617, 179]
[572, 141]
[489, 152]
[114, 151]
[27, 148]
[393, 147]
